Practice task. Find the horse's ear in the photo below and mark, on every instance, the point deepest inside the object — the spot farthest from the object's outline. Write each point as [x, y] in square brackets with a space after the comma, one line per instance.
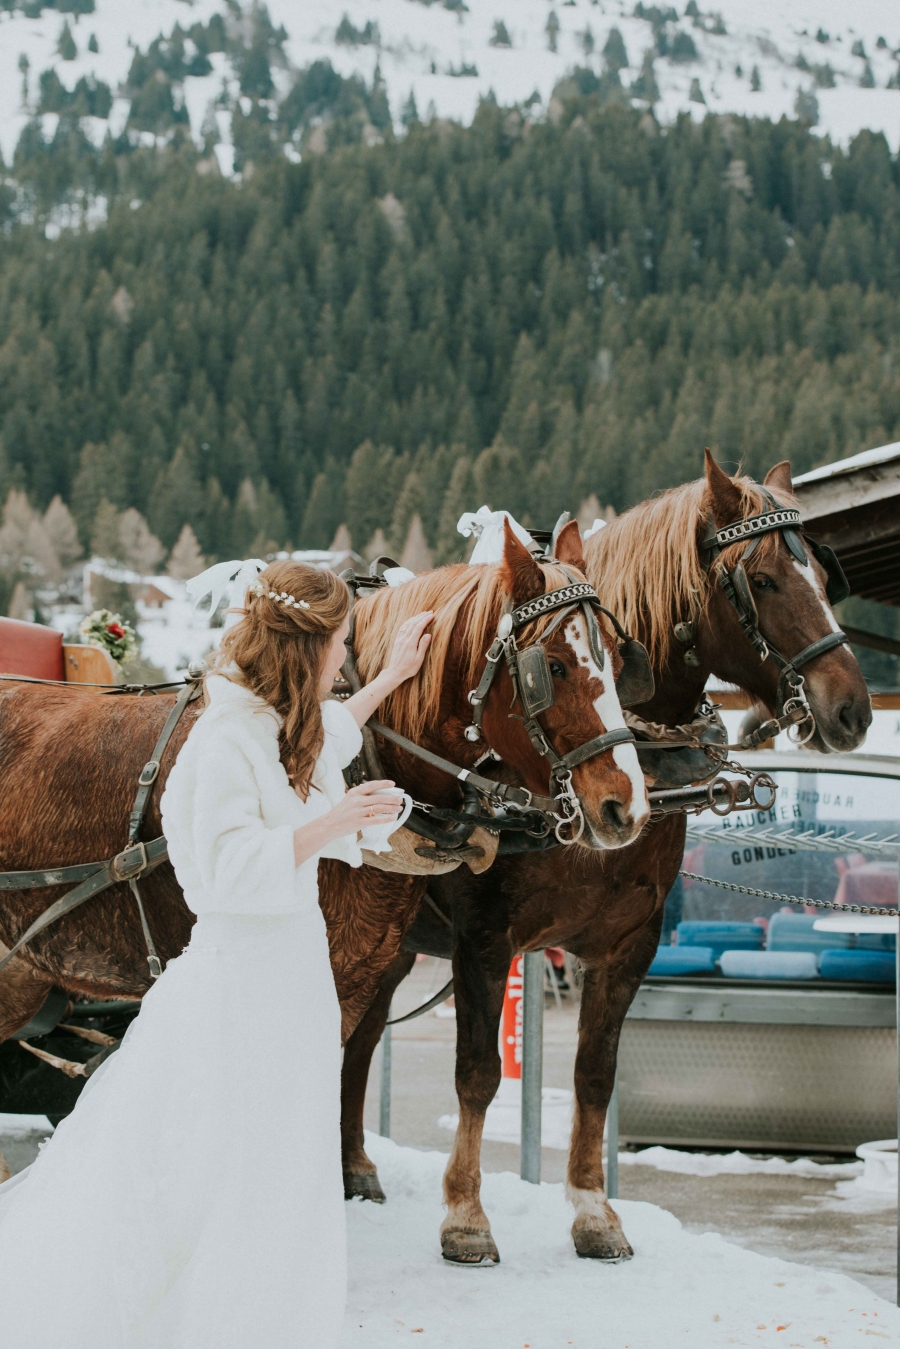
[780, 477]
[569, 547]
[725, 498]
[524, 578]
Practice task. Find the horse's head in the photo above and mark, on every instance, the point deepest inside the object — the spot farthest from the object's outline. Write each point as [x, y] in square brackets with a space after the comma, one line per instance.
[573, 702]
[788, 596]
[683, 587]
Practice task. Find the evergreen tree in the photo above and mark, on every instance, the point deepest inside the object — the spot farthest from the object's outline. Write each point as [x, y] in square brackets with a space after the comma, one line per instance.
[185, 559]
[66, 44]
[614, 52]
[140, 550]
[106, 539]
[62, 532]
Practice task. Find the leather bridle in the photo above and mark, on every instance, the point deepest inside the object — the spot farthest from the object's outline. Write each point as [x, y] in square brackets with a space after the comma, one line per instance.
[532, 682]
[792, 709]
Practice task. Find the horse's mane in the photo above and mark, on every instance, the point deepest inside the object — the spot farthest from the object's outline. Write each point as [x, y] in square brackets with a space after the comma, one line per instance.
[467, 601]
[646, 564]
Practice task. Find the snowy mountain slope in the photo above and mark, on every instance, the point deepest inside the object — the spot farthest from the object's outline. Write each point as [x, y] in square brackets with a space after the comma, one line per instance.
[418, 43]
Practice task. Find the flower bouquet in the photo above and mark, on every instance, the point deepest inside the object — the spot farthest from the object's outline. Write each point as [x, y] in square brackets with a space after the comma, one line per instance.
[111, 632]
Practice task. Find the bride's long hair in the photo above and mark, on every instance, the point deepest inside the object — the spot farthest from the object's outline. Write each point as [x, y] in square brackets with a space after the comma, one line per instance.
[278, 649]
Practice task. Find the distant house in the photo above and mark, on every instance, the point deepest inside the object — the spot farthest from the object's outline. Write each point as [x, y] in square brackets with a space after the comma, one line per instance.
[154, 591]
[324, 559]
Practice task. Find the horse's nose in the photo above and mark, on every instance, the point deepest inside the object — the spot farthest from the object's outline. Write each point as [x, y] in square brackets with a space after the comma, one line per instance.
[615, 817]
[854, 717]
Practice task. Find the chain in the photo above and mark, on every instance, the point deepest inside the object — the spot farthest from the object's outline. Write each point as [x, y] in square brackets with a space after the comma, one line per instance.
[791, 899]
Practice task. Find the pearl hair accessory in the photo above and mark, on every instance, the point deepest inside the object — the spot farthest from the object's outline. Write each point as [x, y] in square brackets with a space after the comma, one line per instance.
[288, 600]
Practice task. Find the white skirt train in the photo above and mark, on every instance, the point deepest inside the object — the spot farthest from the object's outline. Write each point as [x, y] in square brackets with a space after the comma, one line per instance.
[193, 1200]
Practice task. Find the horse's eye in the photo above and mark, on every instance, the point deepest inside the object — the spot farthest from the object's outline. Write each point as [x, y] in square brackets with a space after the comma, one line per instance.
[762, 582]
[558, 670]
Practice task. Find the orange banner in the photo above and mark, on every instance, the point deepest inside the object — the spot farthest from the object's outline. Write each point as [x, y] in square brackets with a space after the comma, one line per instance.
[511, 1025]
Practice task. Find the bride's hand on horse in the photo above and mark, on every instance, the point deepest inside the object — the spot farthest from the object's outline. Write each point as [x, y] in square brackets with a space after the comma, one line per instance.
[410, 645]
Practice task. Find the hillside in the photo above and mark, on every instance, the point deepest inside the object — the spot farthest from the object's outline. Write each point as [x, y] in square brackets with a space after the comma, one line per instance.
[841, 63]
[380, 322]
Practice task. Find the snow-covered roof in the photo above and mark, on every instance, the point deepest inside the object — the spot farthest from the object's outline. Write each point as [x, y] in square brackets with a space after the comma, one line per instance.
[883, 454]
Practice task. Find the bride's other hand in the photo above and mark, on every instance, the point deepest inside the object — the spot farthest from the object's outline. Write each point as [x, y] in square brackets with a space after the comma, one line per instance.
[410, 646]
[362, 806]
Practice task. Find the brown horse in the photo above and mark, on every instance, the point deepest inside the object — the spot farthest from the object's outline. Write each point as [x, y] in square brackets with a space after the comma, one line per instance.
[607, 908]
[69, 763]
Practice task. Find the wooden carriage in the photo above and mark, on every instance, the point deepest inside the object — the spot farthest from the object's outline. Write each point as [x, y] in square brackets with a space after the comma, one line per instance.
[37, 652]
[28, 1085]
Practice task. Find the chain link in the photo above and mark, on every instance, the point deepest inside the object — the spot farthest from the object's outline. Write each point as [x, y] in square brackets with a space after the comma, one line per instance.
[791, 899]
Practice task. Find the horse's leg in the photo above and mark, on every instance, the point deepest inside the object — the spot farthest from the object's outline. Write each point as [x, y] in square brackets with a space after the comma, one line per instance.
[479, 981]
[609, 988]
[360, 1176]
[23, 991]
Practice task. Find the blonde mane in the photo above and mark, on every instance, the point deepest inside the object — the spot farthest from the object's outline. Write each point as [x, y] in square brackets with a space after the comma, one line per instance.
[647, 566]
[468, 602]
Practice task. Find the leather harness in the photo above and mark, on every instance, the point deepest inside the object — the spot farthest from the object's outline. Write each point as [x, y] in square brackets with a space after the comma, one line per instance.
[792, 710]
[136, 860]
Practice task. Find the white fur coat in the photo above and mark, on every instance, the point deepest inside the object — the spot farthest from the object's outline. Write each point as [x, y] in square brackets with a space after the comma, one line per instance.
[229, 812]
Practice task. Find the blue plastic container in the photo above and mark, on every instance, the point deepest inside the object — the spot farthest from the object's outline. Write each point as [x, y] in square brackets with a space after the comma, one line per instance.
[871, 967]
[721, 936]
[795, 932]
[769, 965]
[683, 960]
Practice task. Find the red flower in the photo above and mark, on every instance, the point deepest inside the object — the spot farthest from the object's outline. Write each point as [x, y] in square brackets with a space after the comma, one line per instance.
[116, 629]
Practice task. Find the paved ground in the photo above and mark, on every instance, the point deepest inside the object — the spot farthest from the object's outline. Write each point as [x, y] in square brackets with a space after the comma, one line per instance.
[805, 1220]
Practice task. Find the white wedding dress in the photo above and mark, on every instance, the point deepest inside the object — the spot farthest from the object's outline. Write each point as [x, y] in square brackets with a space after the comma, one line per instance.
[193, 1200]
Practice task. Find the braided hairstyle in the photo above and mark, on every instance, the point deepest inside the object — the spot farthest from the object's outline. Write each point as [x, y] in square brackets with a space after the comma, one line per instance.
[278, 649]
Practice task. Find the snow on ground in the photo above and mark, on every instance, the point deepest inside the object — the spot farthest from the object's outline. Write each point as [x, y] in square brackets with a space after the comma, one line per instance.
[738, 1164]
[680, 1289]
[175, 634]
[420, 43]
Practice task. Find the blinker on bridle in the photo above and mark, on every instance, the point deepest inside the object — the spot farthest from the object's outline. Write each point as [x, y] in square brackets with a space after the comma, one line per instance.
[532, 682]
[792, 708]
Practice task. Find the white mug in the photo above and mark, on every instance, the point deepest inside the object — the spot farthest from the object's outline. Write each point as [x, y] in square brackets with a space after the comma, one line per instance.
[377, 837]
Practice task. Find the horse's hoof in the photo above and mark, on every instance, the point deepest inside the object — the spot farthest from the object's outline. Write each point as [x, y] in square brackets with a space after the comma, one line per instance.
[609, 1246]
[469, 1248]
[363, 1185]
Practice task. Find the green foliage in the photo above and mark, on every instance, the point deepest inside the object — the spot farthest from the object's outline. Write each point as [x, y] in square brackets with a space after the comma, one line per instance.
[682, 48]
[89, 98]
[458, 316]
[351, 36]
[500, 36]
[614, 53]
[66, 45]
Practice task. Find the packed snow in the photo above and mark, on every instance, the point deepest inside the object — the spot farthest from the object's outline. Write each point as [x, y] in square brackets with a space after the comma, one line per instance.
[680, 1289]
[449, 59]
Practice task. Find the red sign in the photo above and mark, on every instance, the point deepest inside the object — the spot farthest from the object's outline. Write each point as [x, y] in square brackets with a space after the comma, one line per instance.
[511, 1024]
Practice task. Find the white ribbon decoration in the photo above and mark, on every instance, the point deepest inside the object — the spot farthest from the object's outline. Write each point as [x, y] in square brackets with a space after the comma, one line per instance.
[594, 529]
[398, 576]
[215, 581]
[487, 526]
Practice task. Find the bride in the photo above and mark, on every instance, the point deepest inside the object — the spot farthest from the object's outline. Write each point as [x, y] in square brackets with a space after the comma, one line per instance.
[193, 1200]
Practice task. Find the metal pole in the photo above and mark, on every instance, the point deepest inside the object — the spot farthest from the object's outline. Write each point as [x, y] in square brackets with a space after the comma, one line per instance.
[897, 977]
[612, 1142]
[384, 1112]
[532, 1064]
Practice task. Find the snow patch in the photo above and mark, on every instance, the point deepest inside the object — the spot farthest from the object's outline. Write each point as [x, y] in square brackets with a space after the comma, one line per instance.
[680, 1289]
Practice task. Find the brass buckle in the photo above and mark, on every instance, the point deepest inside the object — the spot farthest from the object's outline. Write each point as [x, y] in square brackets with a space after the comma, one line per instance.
[130, 862]
[149, 773]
